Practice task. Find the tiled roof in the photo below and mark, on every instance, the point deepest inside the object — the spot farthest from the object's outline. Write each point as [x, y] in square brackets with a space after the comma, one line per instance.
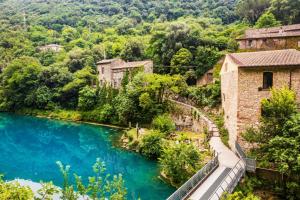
[132, 64]
[275, 32]
[107, 61]
[288, 57]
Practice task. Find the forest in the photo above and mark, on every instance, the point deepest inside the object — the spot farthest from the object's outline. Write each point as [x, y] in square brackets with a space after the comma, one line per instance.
[184, 38]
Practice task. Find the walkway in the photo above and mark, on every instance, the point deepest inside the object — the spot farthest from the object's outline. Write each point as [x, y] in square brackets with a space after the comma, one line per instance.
[226, 172]
[227, 160]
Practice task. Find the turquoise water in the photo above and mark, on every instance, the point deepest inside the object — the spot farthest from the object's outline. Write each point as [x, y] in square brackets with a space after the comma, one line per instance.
[30, 147]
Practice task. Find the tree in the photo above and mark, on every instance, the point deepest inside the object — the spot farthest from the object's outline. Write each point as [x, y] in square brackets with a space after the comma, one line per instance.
[286, 11]
[69, 33]
[278, 136]
[267, 20]
[87, 98]
[205, 59]
[19, 80]
[164, 123]
[133, 51]
[276, 111]
[78, 59]
[70, 91]
[181, 61]
[152, 144]
[181, 167]
[251, 10]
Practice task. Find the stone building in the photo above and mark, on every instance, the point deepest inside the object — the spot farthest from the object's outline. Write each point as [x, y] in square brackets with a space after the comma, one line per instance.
[207, 78]
[247, 78]
[283, 37]
[51, 47]
[112, 71]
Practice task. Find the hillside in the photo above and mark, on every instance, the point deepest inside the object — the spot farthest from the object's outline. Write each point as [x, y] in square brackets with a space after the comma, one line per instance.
[98, 14]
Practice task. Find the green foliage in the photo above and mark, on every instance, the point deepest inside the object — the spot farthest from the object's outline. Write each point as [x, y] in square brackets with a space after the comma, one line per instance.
[205, 59]
[181, 61]
[13, 190]
[245, 190]
[240, 196]
[87, 98]
[277, 110]
[286, 11]
[133, 51]
[47, 191]
[19, 80]
[209, 95]
[267, 20]
[164, 123]
[152, 144]
[251, 10]
[278, 136]
[181, 167]
[99, 186]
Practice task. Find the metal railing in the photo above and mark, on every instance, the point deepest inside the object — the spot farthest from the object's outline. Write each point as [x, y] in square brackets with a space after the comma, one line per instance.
[250, 163]
[188, 187]
[230, 181]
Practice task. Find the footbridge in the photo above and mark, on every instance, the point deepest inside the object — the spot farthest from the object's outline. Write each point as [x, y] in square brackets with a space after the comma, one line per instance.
[221, 174]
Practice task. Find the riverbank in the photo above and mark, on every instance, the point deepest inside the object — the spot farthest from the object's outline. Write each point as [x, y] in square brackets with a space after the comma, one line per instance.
[66, 115]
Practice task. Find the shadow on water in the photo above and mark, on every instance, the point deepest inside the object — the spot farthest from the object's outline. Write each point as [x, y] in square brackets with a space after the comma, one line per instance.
[30, 147]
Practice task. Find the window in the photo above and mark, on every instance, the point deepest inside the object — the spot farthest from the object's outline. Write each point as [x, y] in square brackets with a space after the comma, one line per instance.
[267, 80]
[250, 43]
[102, 70]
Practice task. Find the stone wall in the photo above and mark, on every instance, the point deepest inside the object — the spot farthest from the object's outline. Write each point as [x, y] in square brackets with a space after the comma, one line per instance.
[270, 43]
[186, 119]
[249, 96]
[229, 94]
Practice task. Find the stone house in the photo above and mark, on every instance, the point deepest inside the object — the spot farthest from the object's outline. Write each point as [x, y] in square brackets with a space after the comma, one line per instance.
[247, 78]
[283, 37]
[51, 47]
[207, 78]
[112, 71]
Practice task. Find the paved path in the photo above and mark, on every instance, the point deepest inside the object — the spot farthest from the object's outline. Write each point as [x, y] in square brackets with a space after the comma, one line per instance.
[227, 160]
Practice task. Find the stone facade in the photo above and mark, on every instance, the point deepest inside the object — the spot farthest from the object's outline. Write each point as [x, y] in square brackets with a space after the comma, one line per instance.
[283, 37]
[51, 47]
[269, 43]
[112, 71]
[207, 78]
[242, 93]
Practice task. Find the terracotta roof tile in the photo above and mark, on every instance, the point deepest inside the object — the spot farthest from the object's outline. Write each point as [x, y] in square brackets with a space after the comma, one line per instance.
[275, 32]
[288, 57]
[133, 64]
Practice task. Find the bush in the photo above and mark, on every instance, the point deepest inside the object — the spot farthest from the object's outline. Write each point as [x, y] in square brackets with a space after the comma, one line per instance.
[164, 123]
[209, 95]
[87, 98]
[179, 162]
[14, 190]
[151, 145]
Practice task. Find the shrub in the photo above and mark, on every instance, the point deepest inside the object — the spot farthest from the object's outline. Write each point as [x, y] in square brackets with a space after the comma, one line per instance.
[14, 190]
[151, 145]
[179, 162]
[164, 123]
[87, 98]
[209, 95]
